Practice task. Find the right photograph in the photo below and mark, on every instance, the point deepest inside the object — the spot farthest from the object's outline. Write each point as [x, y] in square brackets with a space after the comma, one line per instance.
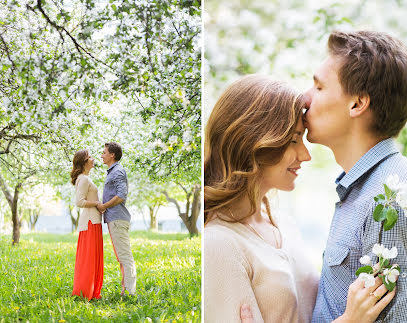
[305, 174]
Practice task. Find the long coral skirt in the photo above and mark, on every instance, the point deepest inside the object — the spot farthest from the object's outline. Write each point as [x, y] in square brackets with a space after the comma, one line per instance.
[88, 277]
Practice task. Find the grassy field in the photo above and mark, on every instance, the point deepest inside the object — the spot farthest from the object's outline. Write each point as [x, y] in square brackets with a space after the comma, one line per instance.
[36, 280]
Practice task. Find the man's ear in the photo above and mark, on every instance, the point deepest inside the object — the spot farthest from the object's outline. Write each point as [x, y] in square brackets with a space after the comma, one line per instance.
[360, 105]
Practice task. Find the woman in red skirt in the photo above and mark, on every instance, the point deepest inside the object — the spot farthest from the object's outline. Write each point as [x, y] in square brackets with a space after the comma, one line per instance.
[88, 277]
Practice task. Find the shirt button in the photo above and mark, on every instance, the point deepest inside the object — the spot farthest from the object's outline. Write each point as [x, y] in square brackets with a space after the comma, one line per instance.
[404, 275]
[329, 258]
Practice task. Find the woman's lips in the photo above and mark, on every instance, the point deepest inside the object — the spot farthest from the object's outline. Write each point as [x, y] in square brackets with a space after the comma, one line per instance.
[294, 170]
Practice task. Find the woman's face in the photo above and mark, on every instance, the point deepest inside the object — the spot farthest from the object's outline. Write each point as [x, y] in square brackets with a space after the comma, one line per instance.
[90, 163]
[283, 175]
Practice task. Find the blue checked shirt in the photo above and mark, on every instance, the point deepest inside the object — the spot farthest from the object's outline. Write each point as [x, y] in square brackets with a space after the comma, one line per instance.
[353, 233]
[116, 184]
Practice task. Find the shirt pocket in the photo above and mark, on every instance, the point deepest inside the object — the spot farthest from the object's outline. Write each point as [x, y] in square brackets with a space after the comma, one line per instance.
[343, 261]
[336, 255]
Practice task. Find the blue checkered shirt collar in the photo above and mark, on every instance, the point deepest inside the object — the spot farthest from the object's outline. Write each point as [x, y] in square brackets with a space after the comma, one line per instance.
[111, 167]
[374, 156]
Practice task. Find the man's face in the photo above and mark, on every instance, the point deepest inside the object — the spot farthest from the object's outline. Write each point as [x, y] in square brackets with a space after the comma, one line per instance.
[327, 117]
[107, 157]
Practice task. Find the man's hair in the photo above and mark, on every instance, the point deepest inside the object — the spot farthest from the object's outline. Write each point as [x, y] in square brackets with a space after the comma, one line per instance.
[375, 64]
[114, 148]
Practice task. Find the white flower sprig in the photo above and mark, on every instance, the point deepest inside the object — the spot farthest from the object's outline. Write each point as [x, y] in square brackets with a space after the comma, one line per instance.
[387, 273]
[395, 193]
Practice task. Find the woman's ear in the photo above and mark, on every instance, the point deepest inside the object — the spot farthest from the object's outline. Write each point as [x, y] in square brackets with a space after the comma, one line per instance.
[360, 105]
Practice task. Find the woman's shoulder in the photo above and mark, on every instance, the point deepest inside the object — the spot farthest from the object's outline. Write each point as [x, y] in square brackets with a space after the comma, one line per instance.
[83, 178]
[224, 245]
[221, 235]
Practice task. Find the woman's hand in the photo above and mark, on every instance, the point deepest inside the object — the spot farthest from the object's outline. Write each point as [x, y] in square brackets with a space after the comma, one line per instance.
[99, 206]
[365, 304]
[246, 314]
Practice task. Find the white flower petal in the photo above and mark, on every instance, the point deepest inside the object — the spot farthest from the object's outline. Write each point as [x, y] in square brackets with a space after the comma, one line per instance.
[365, 260]
[392, 182]
[378, 249]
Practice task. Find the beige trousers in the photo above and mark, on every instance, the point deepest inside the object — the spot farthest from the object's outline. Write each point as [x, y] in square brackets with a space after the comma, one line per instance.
[119, 233]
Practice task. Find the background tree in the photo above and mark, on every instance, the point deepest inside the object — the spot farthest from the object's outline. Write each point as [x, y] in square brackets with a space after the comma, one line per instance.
[78, 74]
[192, 197]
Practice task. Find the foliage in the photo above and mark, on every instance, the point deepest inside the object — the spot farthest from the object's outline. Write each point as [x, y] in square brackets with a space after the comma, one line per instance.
[81, 73]
[63, 60]
[36, 280]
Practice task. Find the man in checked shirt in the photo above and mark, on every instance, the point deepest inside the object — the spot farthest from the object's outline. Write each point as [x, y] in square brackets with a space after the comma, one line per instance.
[357, 106]
[116, 214]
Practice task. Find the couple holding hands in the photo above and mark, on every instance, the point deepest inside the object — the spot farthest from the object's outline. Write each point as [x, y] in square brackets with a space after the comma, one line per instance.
[88, 277]
[254, 266]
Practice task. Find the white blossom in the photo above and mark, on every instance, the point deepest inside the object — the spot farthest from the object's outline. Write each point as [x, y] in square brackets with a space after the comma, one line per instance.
[368, 279]
[173, 140]
[391, 274]
[401, 197]
[187, 136]
[393, 182]
[378, 249]
[381, 251]
[390, 254]
[365, 260]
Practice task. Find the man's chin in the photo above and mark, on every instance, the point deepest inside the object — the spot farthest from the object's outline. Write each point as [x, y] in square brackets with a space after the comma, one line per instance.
[311, 138]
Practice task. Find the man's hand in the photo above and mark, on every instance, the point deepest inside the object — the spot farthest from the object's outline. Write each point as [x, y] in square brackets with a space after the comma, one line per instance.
[246, 314]
[101, 208]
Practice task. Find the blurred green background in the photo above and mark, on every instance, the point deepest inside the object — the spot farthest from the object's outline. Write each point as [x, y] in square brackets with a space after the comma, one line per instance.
[287, 40]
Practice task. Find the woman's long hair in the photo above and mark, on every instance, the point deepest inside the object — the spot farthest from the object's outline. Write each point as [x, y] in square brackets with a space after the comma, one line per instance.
[251, 125]
[79, 160]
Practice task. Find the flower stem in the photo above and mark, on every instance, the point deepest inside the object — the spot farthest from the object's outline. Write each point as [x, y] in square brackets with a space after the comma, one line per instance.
[380, 232]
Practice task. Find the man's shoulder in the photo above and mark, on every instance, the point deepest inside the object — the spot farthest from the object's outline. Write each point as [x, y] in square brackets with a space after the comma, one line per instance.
[119, 169]
[394, 164]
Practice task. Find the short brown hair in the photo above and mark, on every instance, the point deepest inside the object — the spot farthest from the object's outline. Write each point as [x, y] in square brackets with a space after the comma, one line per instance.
[251, 126]
[114, 148]
[374, 63]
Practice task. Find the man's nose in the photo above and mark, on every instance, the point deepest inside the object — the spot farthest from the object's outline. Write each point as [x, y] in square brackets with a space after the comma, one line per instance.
[307, 99]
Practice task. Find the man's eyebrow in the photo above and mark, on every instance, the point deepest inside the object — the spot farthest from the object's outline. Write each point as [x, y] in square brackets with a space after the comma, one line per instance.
[316, 79]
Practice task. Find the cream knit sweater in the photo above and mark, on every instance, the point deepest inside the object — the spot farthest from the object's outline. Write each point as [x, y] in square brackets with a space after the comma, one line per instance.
[280, 285]
[86, 190]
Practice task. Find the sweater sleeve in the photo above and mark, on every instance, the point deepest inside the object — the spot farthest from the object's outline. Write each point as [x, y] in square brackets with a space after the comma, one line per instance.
[227, 284]
[82, 187]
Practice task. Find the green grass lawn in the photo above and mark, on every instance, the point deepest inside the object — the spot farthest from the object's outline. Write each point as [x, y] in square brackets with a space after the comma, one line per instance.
[36, 279]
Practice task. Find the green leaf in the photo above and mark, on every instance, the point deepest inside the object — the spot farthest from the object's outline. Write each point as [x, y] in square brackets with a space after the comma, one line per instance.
[389, 286]
[379, 214]
[388, 191]
[391, 219]
[114, 7]
[364, 269]
[386, 262]
[380, 198]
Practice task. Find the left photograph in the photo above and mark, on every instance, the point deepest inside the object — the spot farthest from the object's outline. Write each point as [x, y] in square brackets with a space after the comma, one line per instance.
[100, 161]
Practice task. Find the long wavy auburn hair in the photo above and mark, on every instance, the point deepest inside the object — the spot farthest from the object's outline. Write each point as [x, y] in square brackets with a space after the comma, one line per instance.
[251, 125]
[79, 160]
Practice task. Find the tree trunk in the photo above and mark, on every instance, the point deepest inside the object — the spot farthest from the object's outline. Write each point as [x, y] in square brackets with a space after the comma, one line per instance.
[34, 215]
[195, 210]
[14, 216]
[74, 220]
[13, 203]
[153, 219]
[190, 217]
